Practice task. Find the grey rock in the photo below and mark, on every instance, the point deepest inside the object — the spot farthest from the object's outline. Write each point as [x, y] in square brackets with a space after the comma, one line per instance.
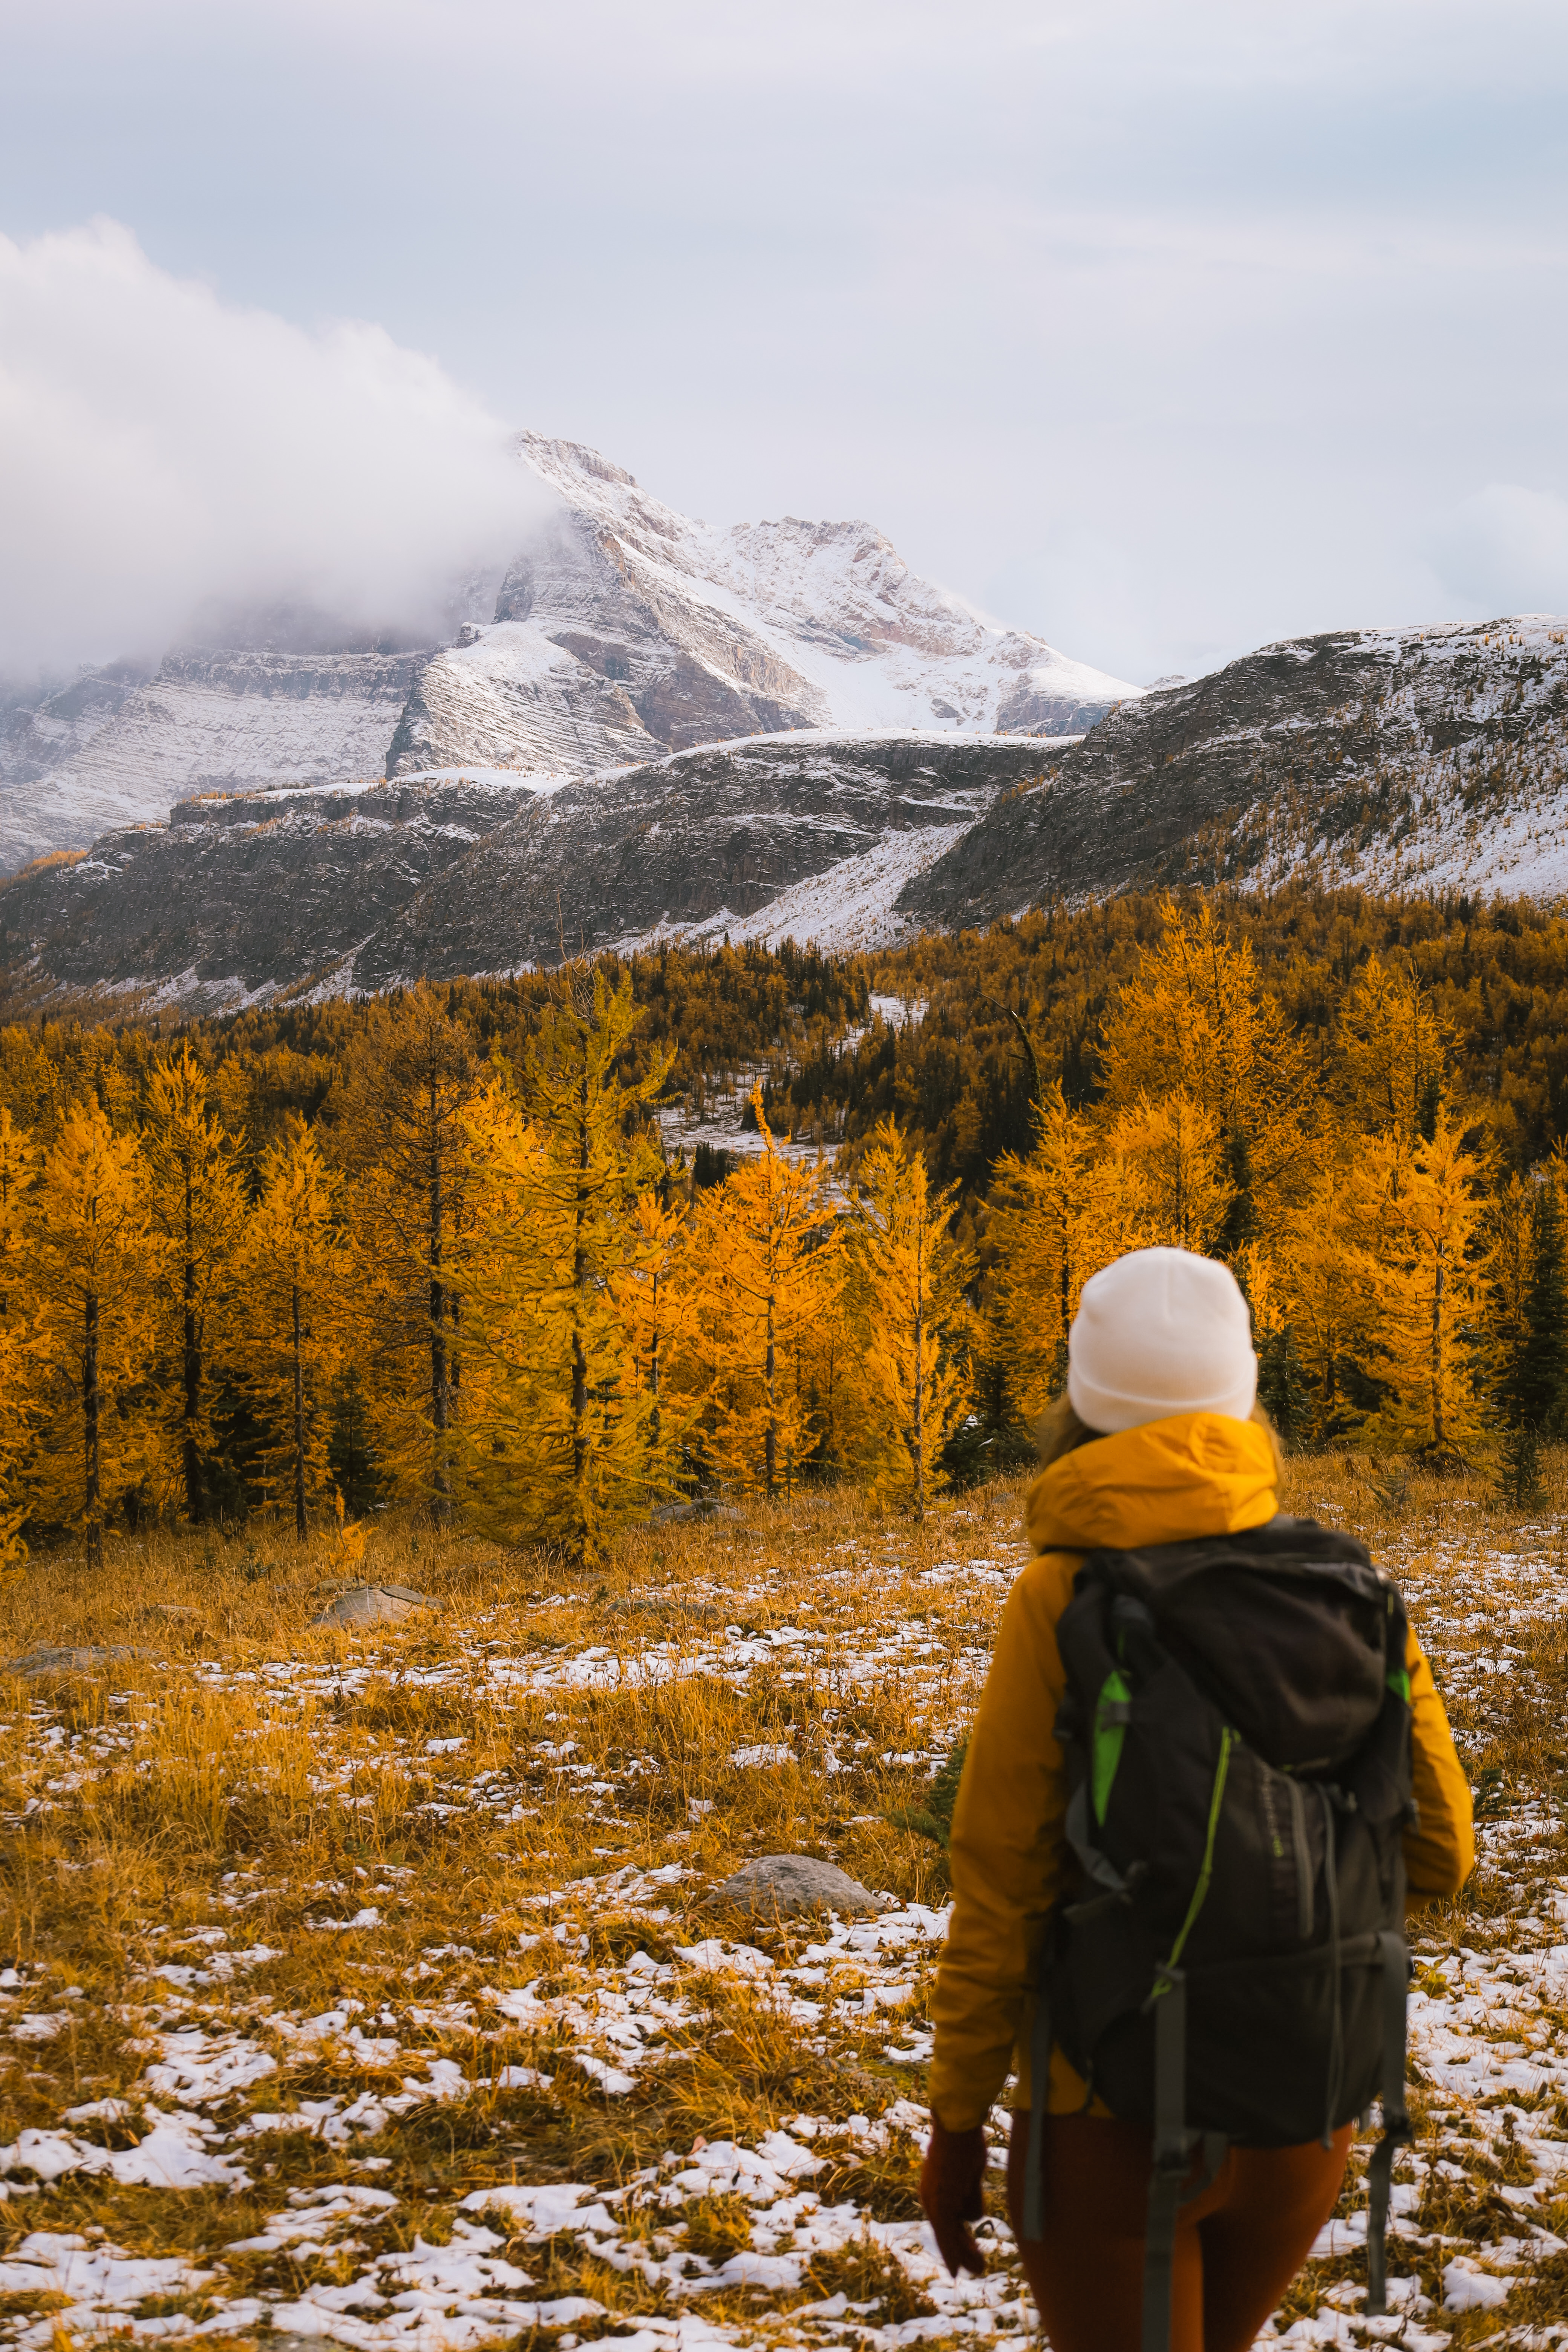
[777, 1884]
[676, 1514]
[1357, 752]
[374, 1604]
[211, 721]
[51, 1662]
[242, 897]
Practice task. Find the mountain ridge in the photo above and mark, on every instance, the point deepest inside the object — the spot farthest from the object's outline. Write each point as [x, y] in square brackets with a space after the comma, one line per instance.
[623, 631]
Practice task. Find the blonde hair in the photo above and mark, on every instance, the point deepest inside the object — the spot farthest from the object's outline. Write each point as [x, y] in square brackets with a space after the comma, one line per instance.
[1058, 1431]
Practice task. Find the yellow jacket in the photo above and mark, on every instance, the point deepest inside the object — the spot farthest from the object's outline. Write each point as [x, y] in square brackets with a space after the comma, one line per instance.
[1198, 1475]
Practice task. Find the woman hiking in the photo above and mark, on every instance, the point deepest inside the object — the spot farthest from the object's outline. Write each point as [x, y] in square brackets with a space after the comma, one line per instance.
[1158, 1441]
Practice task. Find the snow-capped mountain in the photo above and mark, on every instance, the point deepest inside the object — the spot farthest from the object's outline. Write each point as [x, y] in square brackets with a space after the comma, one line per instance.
[623, 632]
[628, 630]
[1433, 759]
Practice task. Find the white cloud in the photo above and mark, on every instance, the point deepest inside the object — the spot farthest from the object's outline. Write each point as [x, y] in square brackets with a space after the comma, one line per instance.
[166, 453]
[1505, 551]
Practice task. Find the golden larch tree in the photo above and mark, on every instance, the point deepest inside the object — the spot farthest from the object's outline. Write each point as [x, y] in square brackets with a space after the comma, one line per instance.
[906, 1302]
[1393, 1051]
[1046, 1212]
[1165, 1176]
[296, 1269]
[1425, 1234]
[571, 1439]
[24, 1331]
[98, 1259]
[197, 1199]
[1196, 1021]
[401, 1134]
[769, 1253]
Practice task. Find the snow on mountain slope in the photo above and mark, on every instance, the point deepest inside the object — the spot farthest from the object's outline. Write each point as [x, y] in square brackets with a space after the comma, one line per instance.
[347, 887]
[1417, 759]
[211, 722]
[49, 725]
[623, 632]
[676, 633]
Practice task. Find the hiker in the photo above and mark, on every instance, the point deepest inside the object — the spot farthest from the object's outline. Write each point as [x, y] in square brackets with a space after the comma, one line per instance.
[1167, 2204]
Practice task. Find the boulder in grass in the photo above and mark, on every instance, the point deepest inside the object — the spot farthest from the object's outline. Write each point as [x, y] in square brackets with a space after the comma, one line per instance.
[52, 1661]
[776, 1884]
[374, 1604]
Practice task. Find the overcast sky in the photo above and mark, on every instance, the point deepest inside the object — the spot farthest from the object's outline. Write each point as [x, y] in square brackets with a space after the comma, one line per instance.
[1161, 330]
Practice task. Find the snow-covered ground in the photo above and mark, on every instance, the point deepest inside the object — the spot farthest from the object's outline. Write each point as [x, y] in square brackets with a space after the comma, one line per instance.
[371, 2165]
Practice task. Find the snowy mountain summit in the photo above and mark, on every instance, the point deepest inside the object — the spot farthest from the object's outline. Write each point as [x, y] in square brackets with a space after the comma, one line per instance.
[623, 632]
[628, 631]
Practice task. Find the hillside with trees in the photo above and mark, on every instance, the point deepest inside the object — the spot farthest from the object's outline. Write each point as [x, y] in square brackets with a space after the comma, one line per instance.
[437, 1248]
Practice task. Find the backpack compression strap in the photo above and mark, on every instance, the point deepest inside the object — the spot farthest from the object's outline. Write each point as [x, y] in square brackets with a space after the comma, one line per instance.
[1395, 2120]
[1173, 2153]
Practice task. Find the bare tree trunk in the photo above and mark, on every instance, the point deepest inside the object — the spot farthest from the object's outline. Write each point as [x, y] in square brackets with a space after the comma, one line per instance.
[92, 1485]
[298, 1426]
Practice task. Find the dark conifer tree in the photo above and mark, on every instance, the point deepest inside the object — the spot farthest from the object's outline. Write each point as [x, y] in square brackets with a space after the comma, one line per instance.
[1544, 1362]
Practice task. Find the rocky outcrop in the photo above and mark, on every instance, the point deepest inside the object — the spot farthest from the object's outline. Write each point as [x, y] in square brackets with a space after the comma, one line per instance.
[213, 721]
[240, 897]
[1432, 758]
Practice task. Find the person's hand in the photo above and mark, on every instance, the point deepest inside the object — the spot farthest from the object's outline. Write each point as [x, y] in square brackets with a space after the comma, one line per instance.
[952, 2181]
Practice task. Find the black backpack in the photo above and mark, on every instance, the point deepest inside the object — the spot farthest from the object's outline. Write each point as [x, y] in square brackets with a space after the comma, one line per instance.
[1233, 1968]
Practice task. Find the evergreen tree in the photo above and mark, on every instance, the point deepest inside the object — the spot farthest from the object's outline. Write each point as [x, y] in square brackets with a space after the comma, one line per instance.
[1545, 1363]
[1526, 1323]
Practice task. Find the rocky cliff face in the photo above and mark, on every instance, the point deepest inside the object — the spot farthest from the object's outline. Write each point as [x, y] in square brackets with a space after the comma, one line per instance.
[629, 629]
[241, 898]
[1429, 758]
[209, 721]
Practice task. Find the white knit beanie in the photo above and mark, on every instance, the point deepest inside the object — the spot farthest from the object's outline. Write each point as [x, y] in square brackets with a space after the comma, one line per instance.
[1160, 1332]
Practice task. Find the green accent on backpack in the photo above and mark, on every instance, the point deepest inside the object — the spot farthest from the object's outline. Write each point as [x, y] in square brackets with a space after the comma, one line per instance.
[1399, 1683]
[1227, 1742]
[1107, 1739]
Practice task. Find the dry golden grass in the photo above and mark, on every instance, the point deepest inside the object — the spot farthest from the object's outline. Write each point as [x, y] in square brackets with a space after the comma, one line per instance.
[496, 1784]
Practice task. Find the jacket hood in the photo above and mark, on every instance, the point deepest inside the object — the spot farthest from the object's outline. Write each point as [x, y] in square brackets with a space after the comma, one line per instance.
[1200, 1474]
